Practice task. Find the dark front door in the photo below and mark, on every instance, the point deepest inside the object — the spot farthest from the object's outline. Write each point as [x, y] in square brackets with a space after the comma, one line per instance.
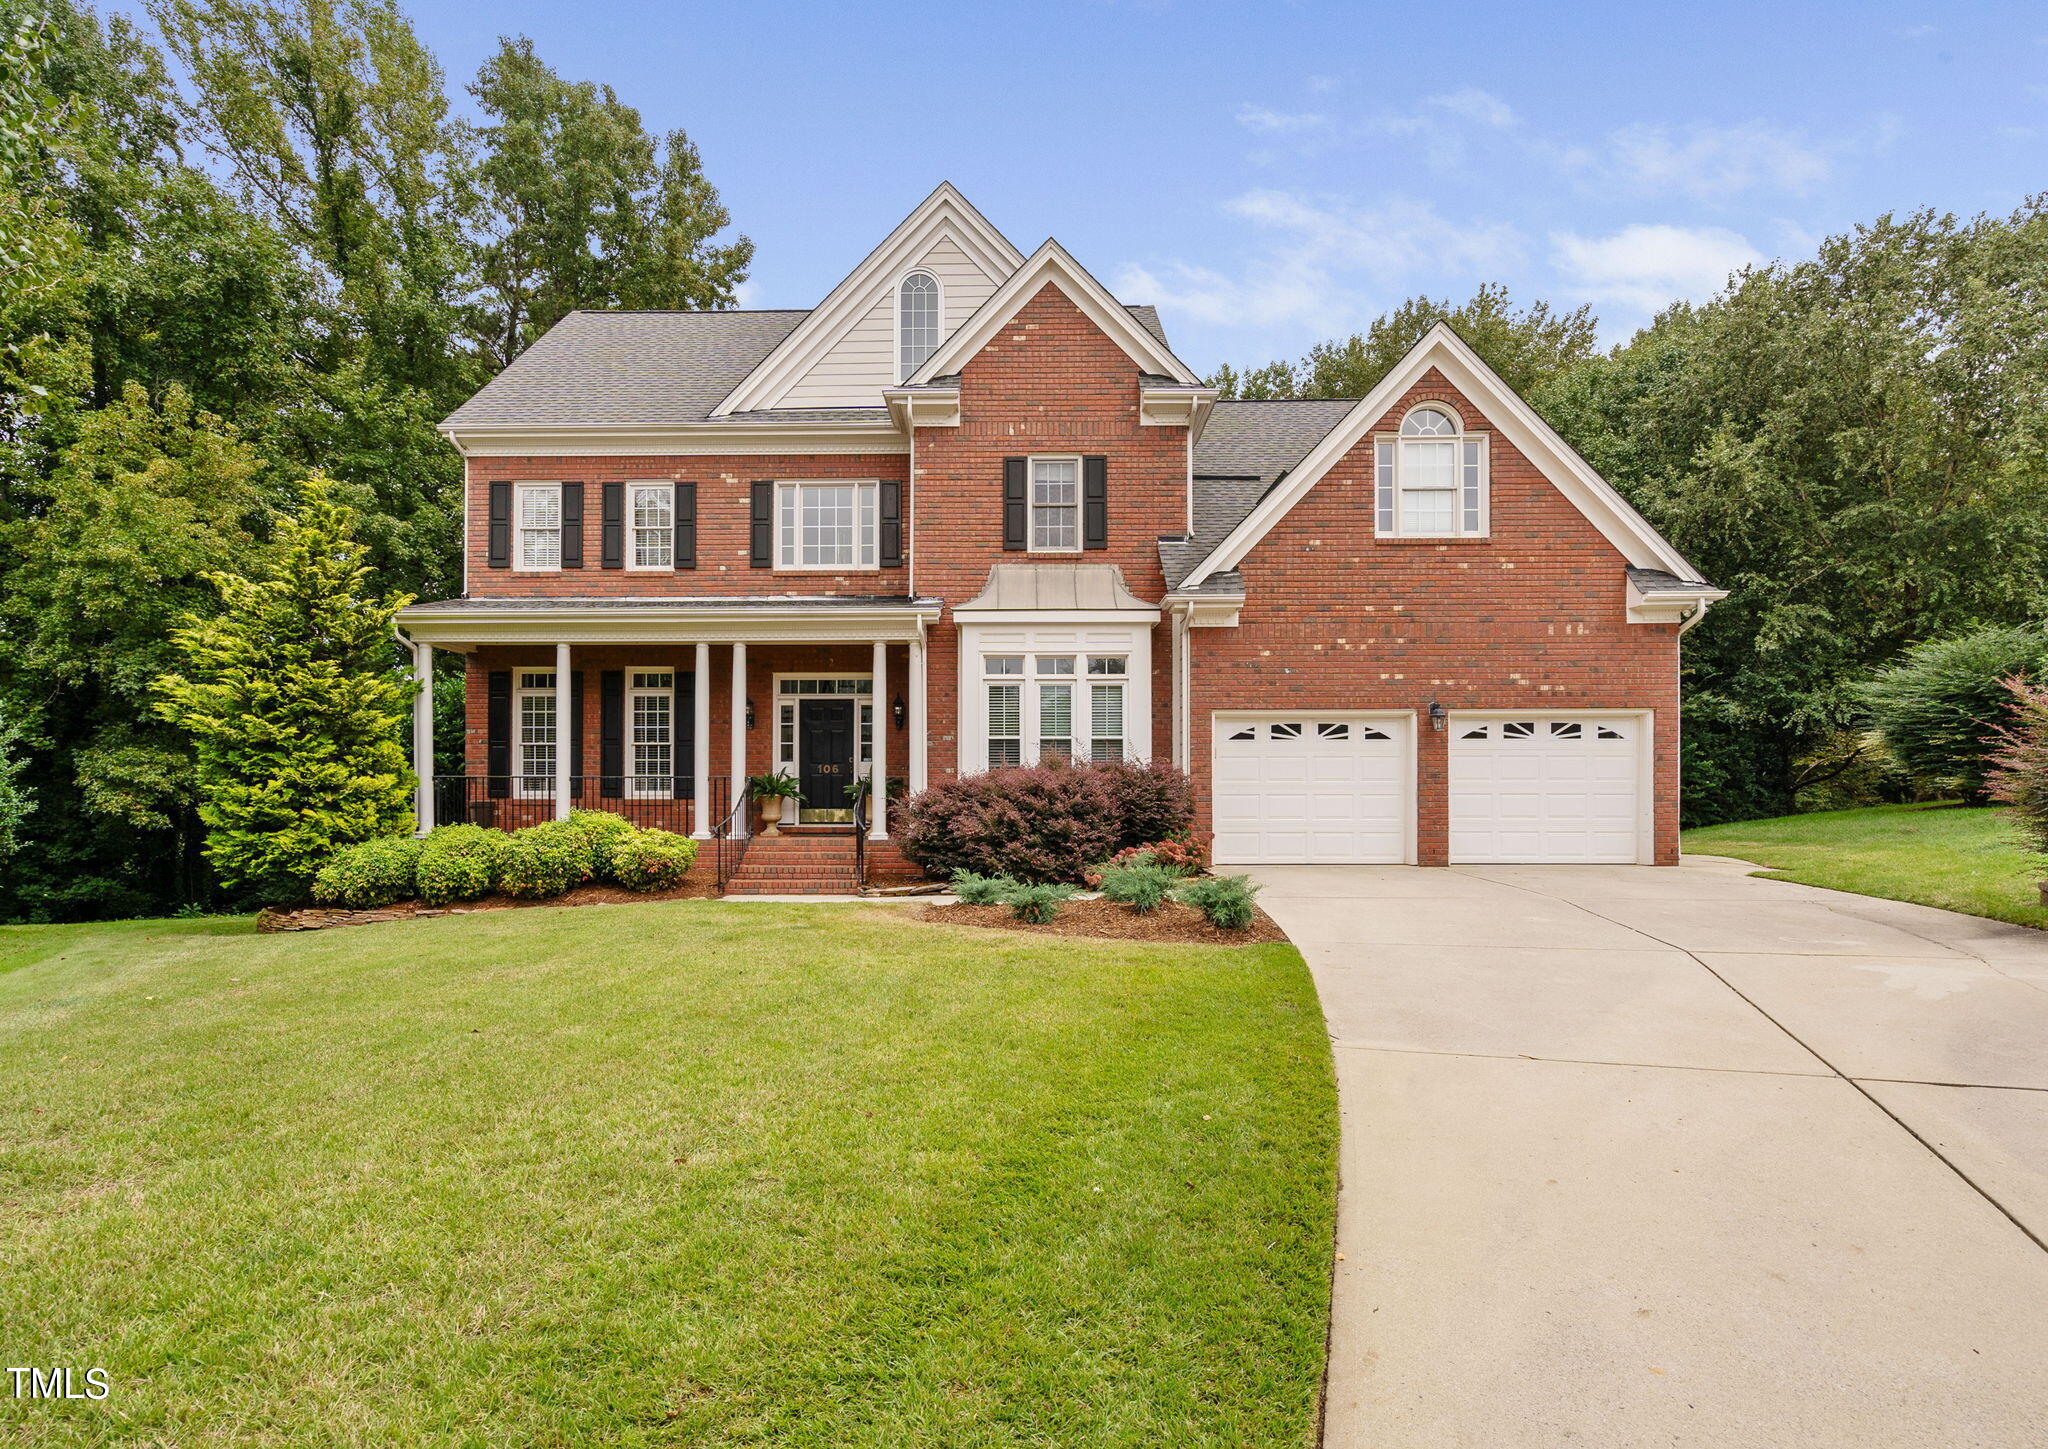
[824, 769]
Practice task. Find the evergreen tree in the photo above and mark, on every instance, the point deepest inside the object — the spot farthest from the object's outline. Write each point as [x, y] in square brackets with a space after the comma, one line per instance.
[295, 708]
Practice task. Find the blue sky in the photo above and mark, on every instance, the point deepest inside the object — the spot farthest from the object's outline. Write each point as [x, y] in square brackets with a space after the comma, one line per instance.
[1271, 174]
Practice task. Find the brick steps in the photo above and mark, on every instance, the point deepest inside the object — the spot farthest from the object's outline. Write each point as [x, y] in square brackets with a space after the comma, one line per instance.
[812, 865]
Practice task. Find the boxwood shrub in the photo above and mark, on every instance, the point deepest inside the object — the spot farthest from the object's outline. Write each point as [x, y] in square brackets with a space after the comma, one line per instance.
[460, 863]
[370, 873]
[650, 860]
[545, 860]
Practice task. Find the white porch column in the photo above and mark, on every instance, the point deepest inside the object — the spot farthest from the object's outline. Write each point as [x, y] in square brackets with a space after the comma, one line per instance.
[700, 735]
[919, 727]
[739, 736]
[565, 732]
[423, 737]
[878, 769]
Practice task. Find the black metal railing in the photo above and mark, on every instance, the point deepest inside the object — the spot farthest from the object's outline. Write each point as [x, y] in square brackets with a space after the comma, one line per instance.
[860, 841]
[726, 848]
[509, 802]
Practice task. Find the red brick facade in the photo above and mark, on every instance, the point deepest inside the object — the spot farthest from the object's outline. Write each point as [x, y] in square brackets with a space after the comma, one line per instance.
[1531, 617]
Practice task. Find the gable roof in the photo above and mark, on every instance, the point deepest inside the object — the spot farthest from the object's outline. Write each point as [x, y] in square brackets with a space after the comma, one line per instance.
[1442, 349]
[627, 367]
[1052, 264]
[1245, 448]
[945, 212]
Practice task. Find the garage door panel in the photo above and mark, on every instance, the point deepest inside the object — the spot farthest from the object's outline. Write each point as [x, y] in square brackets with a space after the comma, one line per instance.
[1310, 788]
[1540, 788]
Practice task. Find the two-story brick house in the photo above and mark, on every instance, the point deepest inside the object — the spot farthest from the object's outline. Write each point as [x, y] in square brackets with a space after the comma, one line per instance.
[971, 510]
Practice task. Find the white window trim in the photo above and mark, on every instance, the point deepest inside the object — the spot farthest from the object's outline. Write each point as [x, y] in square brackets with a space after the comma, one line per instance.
[1031, 501]
[977, 641]
[872, 486]
[520, 694]
[632, 485]
[632, 771]
[521, 491]
[1458, 440]
[897, 369]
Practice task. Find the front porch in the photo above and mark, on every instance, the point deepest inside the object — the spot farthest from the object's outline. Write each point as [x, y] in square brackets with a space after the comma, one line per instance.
[659, 711]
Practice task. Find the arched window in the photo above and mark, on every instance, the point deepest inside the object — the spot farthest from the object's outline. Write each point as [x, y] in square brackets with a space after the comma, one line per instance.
[917, 321]
[1430, 481]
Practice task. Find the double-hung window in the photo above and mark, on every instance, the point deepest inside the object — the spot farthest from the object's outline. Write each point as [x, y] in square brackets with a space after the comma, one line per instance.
[827, 525]
[540, 526]
[1430, 479]
[1054, 707]
[651, 513]
[1055, 505]
[533, 722]
[650, 733]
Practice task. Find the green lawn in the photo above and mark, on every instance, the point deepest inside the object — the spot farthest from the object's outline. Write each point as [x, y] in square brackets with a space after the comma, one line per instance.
[1959, 858]
[682, 1174]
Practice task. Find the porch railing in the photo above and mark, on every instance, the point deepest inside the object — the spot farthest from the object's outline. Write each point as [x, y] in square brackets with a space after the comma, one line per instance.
[725, 850]
[509, 802]
[860, 841]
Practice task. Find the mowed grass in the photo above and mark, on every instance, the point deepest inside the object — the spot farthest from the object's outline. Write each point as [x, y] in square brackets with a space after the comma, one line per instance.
[1952, 856]
[676, 1174]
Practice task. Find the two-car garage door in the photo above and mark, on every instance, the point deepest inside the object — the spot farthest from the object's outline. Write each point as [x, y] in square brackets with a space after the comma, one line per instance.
[1338, 789]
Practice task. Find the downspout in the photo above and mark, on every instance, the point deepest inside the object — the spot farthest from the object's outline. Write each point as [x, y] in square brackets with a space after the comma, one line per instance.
[1693, 618]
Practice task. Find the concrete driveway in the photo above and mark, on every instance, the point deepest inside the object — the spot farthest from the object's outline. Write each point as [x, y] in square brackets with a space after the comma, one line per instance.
[1644, 1157]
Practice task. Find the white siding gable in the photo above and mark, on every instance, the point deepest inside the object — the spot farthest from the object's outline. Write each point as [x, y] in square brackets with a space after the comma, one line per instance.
[855, 369]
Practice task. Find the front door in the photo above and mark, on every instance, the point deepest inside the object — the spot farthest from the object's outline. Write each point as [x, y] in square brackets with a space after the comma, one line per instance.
[824, 770]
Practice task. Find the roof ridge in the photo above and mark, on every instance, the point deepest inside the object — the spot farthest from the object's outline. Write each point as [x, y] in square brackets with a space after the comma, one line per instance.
[680, 311]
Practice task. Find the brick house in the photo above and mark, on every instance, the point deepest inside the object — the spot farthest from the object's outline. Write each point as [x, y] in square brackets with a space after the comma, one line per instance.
[972, 510]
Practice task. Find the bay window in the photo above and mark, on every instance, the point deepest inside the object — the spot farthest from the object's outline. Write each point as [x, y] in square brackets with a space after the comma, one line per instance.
[1074, 704]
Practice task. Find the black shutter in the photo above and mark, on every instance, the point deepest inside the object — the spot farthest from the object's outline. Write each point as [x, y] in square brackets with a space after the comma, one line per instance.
[575, 736]
[611, 528]
[889, 509]
[1095, 503]
[761, 529]
[686, 525]
[499, 541]
[572, 525]
[611, 733]
[498, 732]
[685, 736]
[1016, 509]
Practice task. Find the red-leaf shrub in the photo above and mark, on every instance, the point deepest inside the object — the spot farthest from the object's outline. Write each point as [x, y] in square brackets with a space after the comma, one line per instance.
[2019, 765]
[1036, 823]
[1151, 802]
[1189, 856]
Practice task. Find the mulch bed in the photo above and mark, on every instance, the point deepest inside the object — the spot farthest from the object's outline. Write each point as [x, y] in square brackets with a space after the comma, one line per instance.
[319, 918]
[1109, 920]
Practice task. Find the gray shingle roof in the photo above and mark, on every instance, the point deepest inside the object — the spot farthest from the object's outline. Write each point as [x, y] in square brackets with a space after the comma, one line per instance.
[1657, 581]
[650, 368]
[739, 603]
[1241, 454]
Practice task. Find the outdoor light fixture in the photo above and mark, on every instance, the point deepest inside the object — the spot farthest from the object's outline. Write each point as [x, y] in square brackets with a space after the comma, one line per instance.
[1436, 715]
[899, 711]
[750, 714]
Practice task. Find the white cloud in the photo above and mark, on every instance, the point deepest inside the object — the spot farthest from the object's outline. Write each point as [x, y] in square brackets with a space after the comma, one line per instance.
[1271, 122]
[1707, 162]
[1318, 257]
[1477, 105]
[1644, 267]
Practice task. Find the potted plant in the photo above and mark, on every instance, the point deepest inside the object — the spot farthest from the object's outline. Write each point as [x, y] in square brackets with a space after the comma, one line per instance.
[863, 787]
[771, 790]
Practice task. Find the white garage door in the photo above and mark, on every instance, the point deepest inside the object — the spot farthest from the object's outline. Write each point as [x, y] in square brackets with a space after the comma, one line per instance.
[1311, 789]
[1545, 788]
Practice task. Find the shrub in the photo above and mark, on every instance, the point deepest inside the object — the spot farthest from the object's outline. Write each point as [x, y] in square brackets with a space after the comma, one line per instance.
[1038, 823]
[545, 860]
[1178, 857]
[370, 873]
[460, 863]
[1141, 886]
[1225, 900]
[1148, 802]
[1036, 903]
[603, 830]
[1939, 707]
[650, 860]
[2019, 774]
[981, 890]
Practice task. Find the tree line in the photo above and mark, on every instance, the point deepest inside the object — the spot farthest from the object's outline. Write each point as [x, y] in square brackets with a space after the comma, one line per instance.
[1854, 444]
[250, 244]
